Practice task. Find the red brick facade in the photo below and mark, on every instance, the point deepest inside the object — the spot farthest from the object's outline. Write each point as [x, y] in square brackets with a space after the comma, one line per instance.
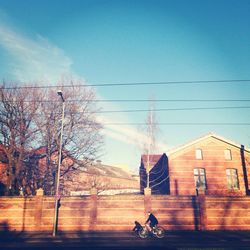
[212, 164]
[183, 161]
[3, 169]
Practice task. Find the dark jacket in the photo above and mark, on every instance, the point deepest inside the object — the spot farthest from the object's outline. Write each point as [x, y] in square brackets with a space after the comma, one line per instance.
[152, 219]
[137, 227]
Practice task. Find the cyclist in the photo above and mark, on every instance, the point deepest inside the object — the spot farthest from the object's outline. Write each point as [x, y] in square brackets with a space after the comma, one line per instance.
[137, 227]
[151, 222]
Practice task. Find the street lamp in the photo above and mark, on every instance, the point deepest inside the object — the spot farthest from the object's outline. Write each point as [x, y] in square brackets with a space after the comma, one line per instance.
[57, 197]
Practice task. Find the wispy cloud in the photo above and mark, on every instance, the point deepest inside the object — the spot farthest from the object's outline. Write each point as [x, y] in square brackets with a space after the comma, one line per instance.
[129, 135]
[33, 58]
[37, 59]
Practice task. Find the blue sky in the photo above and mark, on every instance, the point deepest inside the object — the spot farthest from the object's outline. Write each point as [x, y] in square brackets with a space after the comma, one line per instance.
[137, 41]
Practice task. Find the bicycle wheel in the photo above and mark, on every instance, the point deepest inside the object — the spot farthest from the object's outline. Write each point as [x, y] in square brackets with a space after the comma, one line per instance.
[143, 233]
[160, 232]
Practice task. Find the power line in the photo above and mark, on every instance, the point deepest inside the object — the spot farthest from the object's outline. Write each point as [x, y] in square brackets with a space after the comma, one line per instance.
[159, 110]
[135, 100]
[133, 84]
[171, 109]
[180, 124]
[154, 110]
[169, 100]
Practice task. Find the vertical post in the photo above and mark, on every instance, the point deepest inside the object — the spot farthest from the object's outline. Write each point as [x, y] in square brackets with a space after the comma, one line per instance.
[38, 209]
[245, 174]
[57, 195]
[147, 170]
[93, 209]
[147, 200]
[202, 209]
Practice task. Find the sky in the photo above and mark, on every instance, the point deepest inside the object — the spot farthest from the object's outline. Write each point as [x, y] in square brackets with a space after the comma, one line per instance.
[139, 41]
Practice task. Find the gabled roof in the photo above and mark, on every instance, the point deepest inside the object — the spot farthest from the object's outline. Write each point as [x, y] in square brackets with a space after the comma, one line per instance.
[41, 150]
[111, 171]
[210, 135]
[152, 158]
[99, 169]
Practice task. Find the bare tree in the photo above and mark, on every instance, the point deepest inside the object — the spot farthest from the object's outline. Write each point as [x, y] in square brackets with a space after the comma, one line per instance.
[17, 132]
[150, 146]
[30, 118]
[81, 136]
[153, 176]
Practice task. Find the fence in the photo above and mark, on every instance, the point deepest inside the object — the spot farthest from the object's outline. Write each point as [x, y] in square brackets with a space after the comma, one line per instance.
[112, 213]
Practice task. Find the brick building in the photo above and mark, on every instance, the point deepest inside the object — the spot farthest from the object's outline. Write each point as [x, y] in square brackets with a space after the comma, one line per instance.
[106, 179]
[3, 169]
[78, 177]
[157, 165]
[211, 163]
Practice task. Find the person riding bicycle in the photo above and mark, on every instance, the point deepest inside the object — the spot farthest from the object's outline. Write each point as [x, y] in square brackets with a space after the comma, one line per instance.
[137, 227]
[151, 222]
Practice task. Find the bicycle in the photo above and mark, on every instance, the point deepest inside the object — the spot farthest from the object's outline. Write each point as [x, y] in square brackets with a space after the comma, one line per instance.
[157, 231]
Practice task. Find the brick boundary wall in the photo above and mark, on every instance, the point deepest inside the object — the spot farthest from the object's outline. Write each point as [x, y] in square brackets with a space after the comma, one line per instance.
[113, 213]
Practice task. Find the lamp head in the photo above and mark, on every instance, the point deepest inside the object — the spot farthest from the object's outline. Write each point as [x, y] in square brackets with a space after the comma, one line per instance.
[59, 92]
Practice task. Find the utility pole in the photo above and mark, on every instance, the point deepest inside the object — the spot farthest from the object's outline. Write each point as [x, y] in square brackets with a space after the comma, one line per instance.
[57, 197]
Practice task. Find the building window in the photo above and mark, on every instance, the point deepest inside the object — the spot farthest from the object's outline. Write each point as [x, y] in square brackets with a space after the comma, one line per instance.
[198, 154]
[232, 178]
[228, 155]
[200, 178]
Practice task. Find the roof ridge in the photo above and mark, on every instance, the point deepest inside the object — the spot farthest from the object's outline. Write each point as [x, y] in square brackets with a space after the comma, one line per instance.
[210, 134]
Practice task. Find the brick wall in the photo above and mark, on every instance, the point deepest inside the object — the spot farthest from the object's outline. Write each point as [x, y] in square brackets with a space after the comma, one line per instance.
[183, 163]
[105, 213]
[95, 213]
[177, 213]
[17, 213]
[75, 213]
[228, 213]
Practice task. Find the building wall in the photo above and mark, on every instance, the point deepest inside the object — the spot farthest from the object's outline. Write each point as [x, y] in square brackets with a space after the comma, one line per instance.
[82, 180]
[3, 177]
[158, 174]
[183, 162]
[3, 168]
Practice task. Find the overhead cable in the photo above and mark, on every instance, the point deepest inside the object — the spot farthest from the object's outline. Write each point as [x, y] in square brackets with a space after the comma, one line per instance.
[133, 100]
[133, 84]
